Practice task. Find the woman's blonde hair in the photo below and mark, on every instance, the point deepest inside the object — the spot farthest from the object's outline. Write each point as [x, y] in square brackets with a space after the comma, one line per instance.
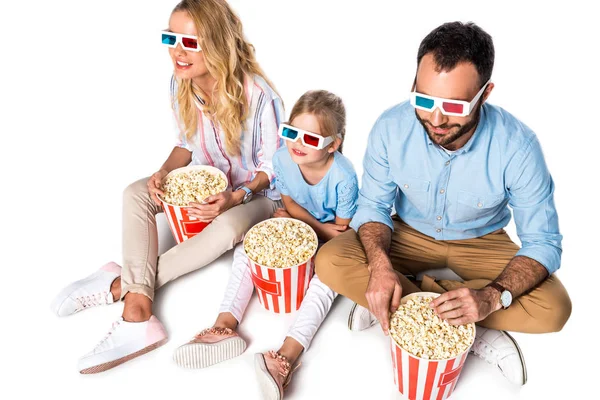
[329, 110]
[228, 58]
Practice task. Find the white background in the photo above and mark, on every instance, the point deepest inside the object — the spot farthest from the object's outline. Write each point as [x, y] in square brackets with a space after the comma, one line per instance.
[85, 111]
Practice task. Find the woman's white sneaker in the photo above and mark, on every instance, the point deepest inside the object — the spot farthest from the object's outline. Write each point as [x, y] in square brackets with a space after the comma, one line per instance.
[500, 349]
[125, 341]
[91, 291]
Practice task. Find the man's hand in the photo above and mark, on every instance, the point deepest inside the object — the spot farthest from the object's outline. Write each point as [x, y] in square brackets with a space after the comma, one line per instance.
[464, 305]
[383, 294]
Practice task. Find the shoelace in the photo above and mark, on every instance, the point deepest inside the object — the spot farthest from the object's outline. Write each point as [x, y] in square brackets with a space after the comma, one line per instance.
[95, 299]
[215, 331]
[284, 365]
[487, 352]
[114, 327]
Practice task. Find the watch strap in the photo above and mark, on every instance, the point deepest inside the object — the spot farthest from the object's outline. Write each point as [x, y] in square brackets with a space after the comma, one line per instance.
[497, 286]
[248, 194]
[501, 289]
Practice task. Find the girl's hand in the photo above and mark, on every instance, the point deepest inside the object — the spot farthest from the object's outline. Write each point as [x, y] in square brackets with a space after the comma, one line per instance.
[215, 206]
[281, 213]
[330, 230]
[154, 185]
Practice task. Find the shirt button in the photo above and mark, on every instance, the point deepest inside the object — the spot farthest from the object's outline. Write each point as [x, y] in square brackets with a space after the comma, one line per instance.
[442, 191]
[439, 217]
[438, 230]
[479, 205]
[447, 162]
[405, 186]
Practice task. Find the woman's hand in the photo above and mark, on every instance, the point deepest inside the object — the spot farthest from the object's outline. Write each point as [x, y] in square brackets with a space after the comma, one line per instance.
[330, 230]
[154, 185]
[215, 205]
[281, 213]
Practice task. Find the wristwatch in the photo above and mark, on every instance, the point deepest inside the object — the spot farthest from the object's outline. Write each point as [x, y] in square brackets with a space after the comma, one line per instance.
[505, 295]
[247, 196]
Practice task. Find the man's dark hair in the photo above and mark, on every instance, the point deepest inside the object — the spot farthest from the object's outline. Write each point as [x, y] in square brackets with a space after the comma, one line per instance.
[455, 42]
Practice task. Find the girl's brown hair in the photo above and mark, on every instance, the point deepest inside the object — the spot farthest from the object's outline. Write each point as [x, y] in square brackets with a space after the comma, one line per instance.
[329, 110]
[228, 57]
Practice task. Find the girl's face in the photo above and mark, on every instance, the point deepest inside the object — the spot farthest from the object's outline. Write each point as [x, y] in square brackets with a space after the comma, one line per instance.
[301, 154]
[187, 64]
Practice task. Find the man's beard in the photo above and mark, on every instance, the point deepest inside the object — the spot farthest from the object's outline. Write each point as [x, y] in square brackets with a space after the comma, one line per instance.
[450, 137]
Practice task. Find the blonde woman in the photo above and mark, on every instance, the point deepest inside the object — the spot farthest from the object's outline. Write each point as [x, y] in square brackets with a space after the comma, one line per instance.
[228, 113]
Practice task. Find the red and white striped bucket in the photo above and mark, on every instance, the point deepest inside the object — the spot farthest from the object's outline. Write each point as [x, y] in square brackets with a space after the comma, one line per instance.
[281, 290]
[422, 379]
[184, 226]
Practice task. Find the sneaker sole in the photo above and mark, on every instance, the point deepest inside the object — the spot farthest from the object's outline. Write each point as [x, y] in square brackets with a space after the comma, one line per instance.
[520, 356]
[268, 386]
[202, 355]
[350, 317]
[114, 363]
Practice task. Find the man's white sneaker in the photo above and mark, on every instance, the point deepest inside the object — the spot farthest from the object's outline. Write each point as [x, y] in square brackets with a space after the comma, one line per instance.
[126, 340]
[91, 291]
[500, 349]
[360, 318]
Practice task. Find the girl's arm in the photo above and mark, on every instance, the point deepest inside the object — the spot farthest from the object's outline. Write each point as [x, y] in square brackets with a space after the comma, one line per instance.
[325, 231]
[342, 221]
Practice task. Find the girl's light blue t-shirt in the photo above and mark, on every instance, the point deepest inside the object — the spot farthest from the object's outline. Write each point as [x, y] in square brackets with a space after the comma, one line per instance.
[335, 195]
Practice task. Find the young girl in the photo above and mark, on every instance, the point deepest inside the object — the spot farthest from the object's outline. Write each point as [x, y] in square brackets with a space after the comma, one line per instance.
[228, 114]
[318, 185]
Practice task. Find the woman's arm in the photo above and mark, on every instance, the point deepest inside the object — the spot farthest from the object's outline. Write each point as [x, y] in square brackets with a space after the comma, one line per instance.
[259, 183]
[178, 158]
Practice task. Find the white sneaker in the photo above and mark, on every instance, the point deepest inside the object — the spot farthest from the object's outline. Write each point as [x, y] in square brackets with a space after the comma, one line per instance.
[500, 349]
[91, 291]
[126, 340]
[360, 318]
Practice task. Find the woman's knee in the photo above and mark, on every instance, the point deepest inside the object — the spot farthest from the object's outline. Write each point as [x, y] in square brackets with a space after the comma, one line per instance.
[136, 189]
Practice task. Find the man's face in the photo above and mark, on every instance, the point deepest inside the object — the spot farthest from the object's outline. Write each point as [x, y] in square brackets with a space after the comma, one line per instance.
[462, 83]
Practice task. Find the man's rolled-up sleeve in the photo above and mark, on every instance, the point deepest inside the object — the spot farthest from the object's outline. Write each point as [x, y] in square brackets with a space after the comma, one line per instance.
[531, 196]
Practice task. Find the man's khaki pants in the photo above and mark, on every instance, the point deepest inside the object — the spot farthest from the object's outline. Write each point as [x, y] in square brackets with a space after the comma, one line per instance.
[342, 265]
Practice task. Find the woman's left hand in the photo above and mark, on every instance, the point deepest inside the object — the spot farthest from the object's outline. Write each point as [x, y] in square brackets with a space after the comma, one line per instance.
[215, 206]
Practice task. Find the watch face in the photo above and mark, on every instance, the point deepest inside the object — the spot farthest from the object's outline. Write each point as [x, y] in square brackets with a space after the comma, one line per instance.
[506, 298]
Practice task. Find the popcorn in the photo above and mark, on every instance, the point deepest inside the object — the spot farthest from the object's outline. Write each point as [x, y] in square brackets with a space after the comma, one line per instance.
[192, 186]
[280, 243]
[417, 329]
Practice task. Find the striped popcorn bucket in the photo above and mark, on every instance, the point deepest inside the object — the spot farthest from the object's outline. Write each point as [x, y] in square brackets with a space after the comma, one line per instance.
[184, 226]
[281, 290]
[422, 379]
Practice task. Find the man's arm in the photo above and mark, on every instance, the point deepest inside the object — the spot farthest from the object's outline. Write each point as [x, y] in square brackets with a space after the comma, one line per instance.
[521, 275]
[374, 225]
[463, 306]
[384, 290]
[531, 193]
